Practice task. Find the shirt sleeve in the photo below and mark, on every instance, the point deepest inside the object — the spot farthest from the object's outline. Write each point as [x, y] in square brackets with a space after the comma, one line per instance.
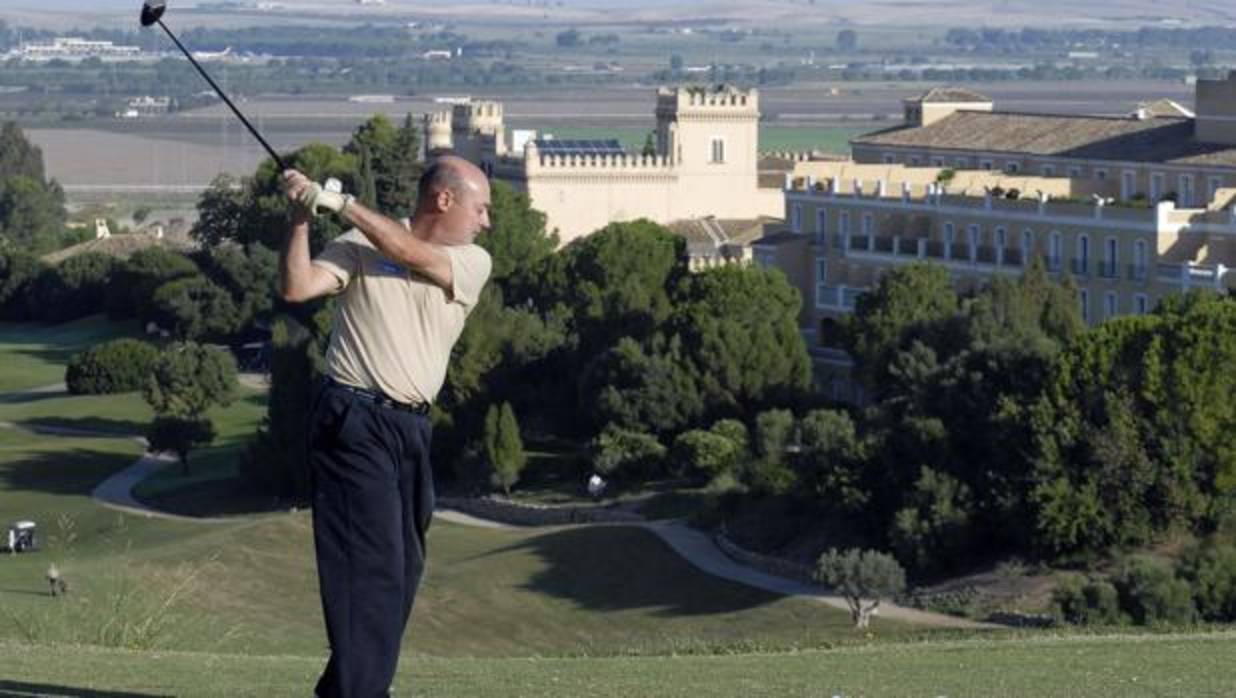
[341, 256]
[470, 267]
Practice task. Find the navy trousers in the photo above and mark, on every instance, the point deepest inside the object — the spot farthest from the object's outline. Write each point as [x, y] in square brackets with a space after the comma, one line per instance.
[373, 499]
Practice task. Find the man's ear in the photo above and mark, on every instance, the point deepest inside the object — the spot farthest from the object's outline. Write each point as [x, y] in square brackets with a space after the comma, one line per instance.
[444, 199]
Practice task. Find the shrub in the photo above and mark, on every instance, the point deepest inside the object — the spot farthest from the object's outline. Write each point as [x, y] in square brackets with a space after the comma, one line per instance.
[1151, 594]
[628, 454]
[736, 432]
[933, 532]
[765, 476]
[1211, 571]
[1092, 602]
[704, 453]
[73, 289]
[118, 366]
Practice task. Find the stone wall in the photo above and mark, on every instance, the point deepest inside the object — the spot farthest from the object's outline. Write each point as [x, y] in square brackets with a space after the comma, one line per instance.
[518, 514]
[764, 563]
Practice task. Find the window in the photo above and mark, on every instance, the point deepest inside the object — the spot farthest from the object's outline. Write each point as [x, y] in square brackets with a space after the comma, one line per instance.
[1110, 305]
[1111, 251]
[1083, 297]
[1075, 172]
[1128, 184]
[1002, 240]
[1138, 271]
[1100, 174]
[1012, 167]
[796, 218]
[1048, 170]
[889, 159]
[914, 161]
[937, 162]
[1186, 191]
[950, 232]
[1054, 250]
[961, 163]
[718, 150]
[822, 299]
[1081, 262]
[867, 224]
[1213, 185]
[843, 222]
[972, 236]
[1156, 186]
[821, 228]
[986, 164]
[1140, 304]
[1027, 246]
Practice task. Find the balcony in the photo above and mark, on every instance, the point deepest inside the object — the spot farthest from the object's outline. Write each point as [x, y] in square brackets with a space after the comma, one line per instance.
[860, 242]
[1014, 258]
[1080, 267]
[986, 255]
[885, 245]
[1108, 270]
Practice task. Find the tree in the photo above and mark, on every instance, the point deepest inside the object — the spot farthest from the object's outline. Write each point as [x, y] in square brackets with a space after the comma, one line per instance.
[72, 289]
[188, 379]
[221, 212]
[642, 390]
[516, 239]
[387, 163]
[180, 435]
[832, 460]
[704, 453]
[18, 271]
[18, 156]
[31, 212]
[847, 40]
[863, 578]
[904, 303]
[248, 275]
[1132, 432]
[932, 533]
[504, 450]
[135, 280]
[118, 366]
[194, 308]
[739, 331]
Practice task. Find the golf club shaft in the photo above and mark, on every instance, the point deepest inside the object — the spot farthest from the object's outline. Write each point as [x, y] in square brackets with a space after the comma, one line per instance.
[275, 156]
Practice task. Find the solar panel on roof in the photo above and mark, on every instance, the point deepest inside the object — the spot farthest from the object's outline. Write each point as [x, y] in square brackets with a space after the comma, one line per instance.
[569, 146]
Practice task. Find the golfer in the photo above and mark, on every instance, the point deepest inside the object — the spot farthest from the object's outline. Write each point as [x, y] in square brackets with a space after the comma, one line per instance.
[406, 289]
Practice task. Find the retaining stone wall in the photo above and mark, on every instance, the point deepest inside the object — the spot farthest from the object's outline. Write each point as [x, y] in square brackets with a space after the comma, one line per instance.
[519, 514]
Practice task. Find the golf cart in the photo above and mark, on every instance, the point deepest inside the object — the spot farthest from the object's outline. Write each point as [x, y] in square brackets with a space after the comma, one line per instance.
[21, 537]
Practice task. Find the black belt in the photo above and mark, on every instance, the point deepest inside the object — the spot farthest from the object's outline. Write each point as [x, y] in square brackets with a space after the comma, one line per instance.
[381, 399]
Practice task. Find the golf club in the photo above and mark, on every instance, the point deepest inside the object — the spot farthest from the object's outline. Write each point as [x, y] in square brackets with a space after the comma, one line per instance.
[152, 13]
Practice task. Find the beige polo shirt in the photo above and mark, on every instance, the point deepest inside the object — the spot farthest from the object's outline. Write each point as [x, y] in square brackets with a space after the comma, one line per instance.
[394, 329]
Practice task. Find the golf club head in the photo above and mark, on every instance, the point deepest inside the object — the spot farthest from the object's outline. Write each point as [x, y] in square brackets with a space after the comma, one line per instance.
[152, 10]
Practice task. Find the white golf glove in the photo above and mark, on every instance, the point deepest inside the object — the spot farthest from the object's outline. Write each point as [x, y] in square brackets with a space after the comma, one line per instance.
[319, 199]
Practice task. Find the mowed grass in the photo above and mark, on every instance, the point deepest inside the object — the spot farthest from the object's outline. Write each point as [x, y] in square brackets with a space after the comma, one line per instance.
[1195, 665]
[34, 355]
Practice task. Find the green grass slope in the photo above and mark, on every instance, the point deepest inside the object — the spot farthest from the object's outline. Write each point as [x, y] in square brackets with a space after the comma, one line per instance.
[34, 354]
[1093, 666]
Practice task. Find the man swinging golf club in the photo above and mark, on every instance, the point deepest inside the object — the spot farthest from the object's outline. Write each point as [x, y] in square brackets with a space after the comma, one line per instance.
[406, 289]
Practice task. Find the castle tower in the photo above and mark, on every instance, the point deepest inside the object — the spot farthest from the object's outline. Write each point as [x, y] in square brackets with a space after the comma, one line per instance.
[437, 130]
[1216, 111]
[712, 131]
[478, 131]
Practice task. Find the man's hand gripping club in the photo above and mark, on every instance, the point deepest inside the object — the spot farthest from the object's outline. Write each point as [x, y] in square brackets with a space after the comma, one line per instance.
[313, 198]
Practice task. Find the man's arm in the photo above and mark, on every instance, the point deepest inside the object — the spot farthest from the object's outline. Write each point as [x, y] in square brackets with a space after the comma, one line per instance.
[299, 279]
[398, 244]
[390, 237]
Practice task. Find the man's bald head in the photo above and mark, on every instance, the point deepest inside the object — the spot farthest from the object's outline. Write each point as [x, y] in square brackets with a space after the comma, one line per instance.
[452, 201]
[447, 173]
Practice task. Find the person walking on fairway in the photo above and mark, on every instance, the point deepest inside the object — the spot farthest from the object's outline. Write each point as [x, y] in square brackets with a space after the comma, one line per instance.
[406, 289]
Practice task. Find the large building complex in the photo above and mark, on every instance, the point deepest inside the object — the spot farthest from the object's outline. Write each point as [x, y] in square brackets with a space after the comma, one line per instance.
[705, 163]
[1131, 209]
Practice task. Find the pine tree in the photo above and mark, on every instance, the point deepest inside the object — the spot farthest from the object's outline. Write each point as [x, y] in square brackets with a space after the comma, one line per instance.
[504, 449]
